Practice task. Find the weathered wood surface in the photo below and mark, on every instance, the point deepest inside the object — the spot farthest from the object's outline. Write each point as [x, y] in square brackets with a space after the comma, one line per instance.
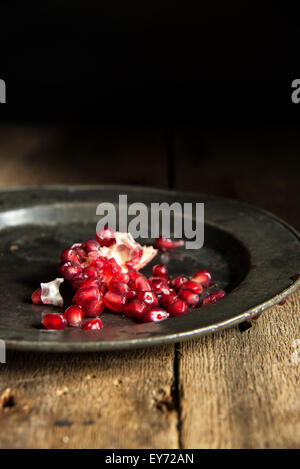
[229, 390]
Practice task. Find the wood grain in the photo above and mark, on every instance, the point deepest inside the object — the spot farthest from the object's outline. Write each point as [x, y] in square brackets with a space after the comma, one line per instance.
[117, 400]
[113, 400]
[240, 390]
[228, 390]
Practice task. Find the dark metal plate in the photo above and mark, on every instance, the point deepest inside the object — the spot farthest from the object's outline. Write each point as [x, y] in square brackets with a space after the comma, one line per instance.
[251, 253]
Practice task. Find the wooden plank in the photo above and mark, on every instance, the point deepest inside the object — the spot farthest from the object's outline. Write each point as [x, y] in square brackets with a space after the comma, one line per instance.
[113, 400]
[239, 390]
[109, 400]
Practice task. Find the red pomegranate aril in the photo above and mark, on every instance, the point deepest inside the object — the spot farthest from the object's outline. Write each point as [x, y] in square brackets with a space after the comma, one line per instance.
[166, 299]
[148, 297]
[160, 270]
[166, 244]
[203, 277]
[121, 277]
[194, 286]
[159, 285]
[94, 258]
[114, 301]
[89, 282]
[119, 288]
[135, 309]
[69, 270]
[91, 245]
[80, 252]
[36, 297]
[177, 307]
[131, 295]
[90, 272]
[94, 308]
[77, 281]
[84, 295]
[69, 255]
[213, 297]
[143, 284]
[178, 282]
[189, 297]
[106, 237]
[54, 321]
[92, 325]
[74, 315]
[155, 315]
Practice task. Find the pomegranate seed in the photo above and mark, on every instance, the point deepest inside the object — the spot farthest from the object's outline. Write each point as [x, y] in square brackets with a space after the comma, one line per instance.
[191, 285]
[114, 301]
[131, 295]
[92, 325]
[155, 315]
[203, 277]
[189, 297]
[80, 252]
[135, 309]
[69, 270]
[91, 245]
[178, 282]
[106, 237]
[143, 284]
[177, 307]
[119, 288]
[54, 321]
[90, 271]
[94, 258]
[77, 281]
[111, 268]
[148, 297]
[74, 315]
[160, 270]
[213, 297]
[121, 277]
[89, 282]
[165, 244]
[167, 298]
[94, 308]
[69, 255]
[84, 295]
[159, 285]
[36, 297]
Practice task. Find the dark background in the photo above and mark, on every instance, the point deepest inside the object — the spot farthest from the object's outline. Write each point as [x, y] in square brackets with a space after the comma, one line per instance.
[186, 95]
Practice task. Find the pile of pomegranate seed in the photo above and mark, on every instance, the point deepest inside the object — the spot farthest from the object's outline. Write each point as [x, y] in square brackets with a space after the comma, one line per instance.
[104, 273]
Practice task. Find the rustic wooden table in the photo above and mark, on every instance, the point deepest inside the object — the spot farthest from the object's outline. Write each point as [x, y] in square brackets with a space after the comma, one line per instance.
[232, 389]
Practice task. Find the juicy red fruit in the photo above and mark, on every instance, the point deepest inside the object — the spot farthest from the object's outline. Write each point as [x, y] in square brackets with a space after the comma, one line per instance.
[189, 297]
[114, 301]
[70, 269]
[92, 325]
[94, 308]
[36, 297]
[203, 277]
[177, 307]
[160, 270]
[155, 315]
[148, 297]
[166, 244]
[135, 309]
[213, 297]
[83, 296]
[54, 321]
[105, 237]
[167, 298]
[191, 285]
[74, 315]
[178, 282]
